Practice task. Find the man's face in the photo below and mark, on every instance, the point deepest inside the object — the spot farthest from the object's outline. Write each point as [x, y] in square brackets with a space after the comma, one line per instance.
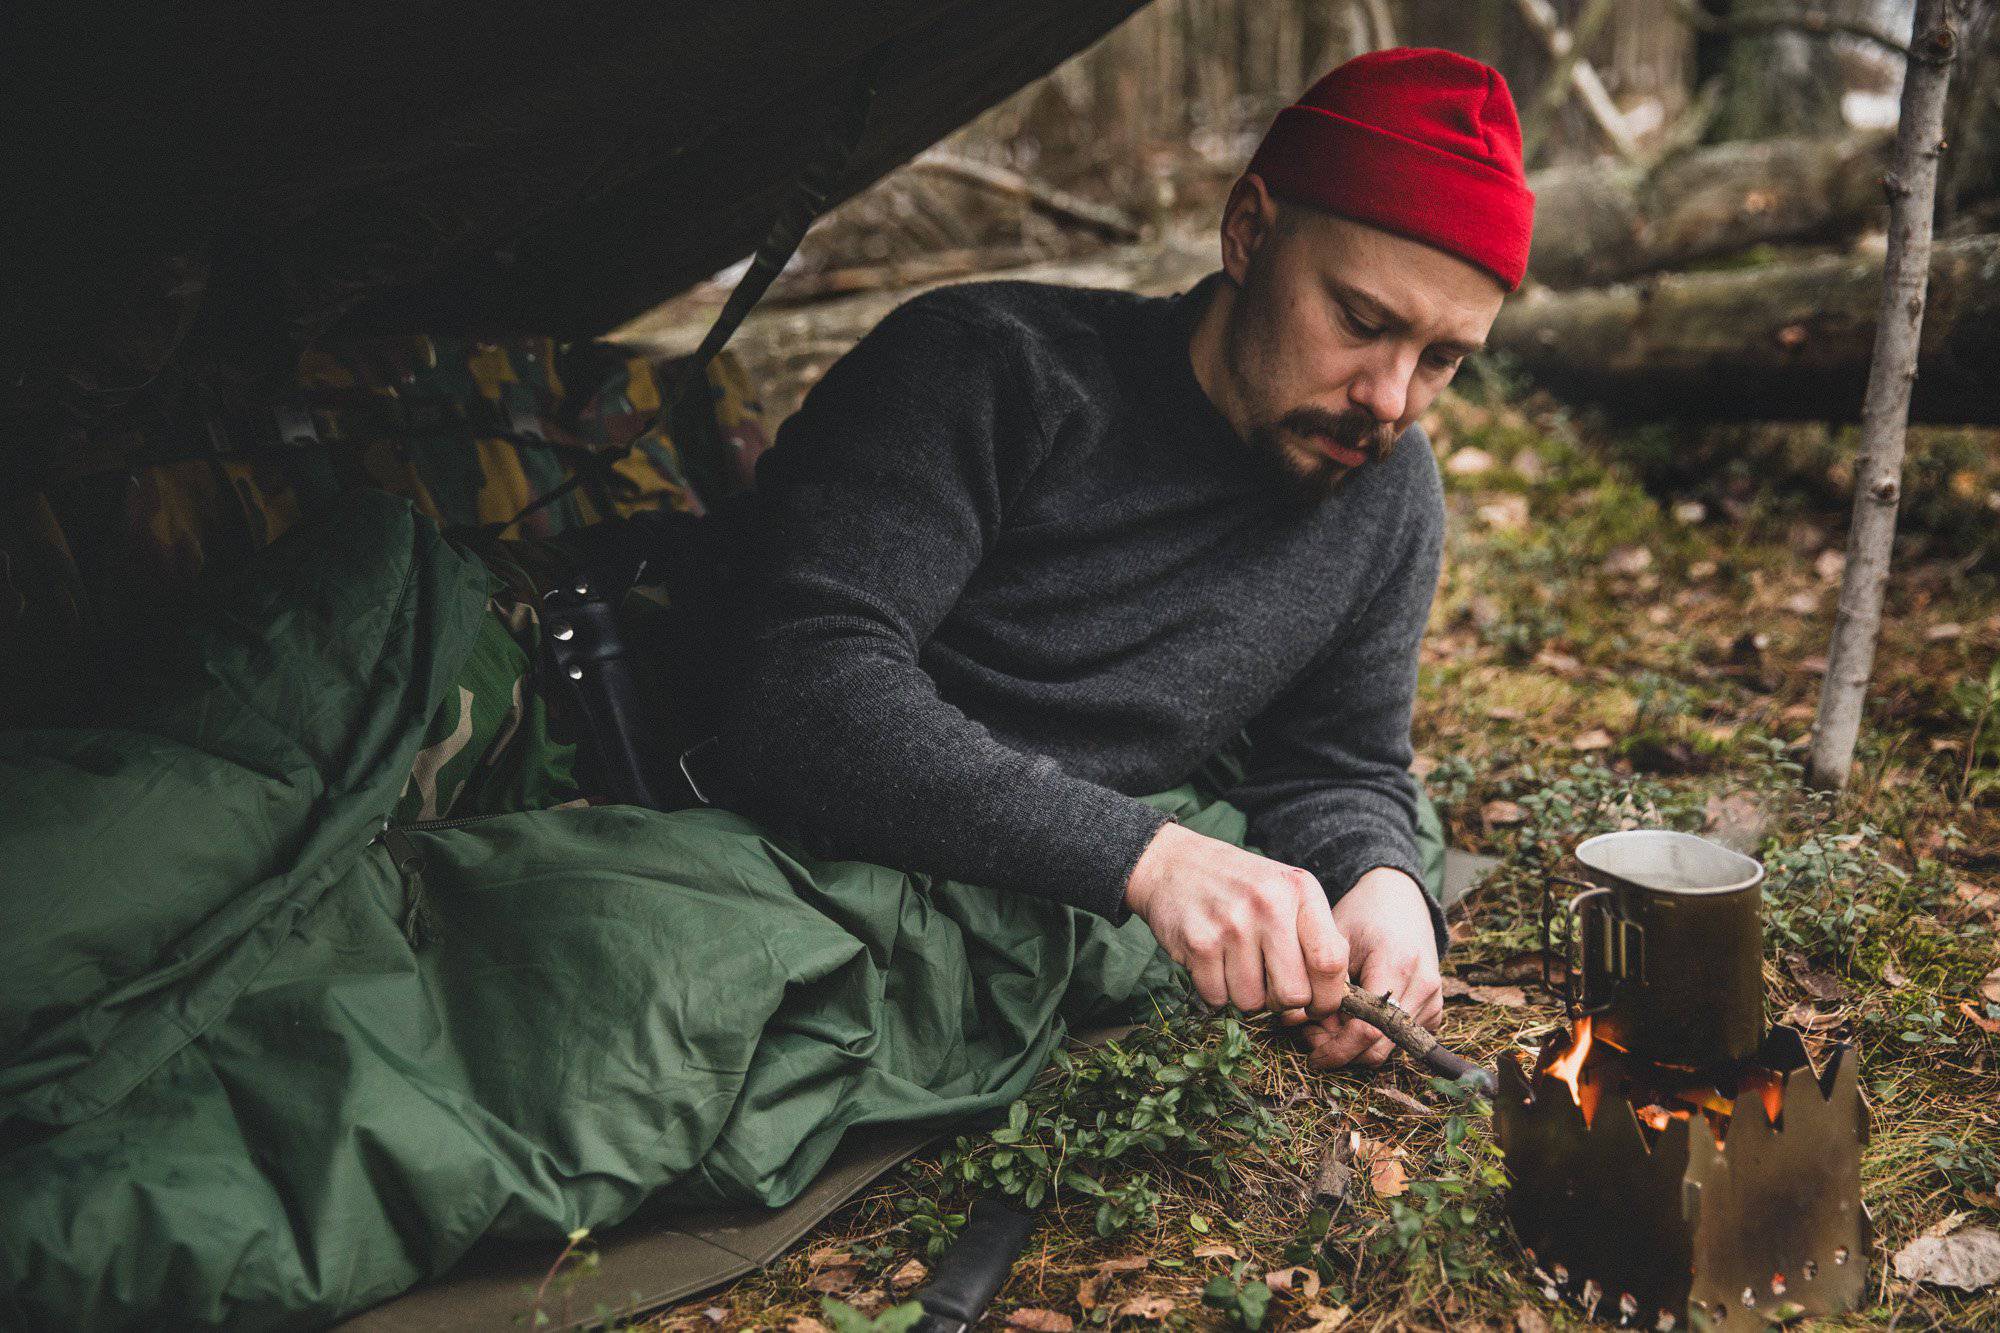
[1337, 335]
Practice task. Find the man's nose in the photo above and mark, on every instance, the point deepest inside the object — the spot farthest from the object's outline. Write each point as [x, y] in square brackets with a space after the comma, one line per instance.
[1382, 389]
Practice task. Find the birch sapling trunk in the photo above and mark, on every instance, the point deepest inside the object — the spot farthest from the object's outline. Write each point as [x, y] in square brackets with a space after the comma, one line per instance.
[1912, 187]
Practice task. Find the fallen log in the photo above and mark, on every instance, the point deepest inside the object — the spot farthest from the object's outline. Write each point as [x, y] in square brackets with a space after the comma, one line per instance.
[1595, 224]
[1782, 342]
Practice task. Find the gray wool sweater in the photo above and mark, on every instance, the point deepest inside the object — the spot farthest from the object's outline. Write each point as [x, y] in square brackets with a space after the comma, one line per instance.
[1017, 571]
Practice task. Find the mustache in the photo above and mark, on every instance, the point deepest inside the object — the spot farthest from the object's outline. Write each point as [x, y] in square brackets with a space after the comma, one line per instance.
[1355, 429]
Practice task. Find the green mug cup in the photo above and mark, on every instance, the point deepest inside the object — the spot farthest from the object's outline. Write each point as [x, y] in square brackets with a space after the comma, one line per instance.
[1664, 947]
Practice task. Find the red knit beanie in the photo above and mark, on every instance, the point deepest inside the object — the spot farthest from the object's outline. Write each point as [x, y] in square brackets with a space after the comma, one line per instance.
[1422, 143]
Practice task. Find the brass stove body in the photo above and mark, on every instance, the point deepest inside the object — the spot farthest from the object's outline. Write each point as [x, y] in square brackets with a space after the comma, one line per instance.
[1666, 1229]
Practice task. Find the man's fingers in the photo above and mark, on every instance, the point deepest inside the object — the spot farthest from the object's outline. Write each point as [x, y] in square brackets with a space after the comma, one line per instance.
[1325, 951]
[1209, 983]
[1286, 986]
[1346, 1039]
[1243, 967]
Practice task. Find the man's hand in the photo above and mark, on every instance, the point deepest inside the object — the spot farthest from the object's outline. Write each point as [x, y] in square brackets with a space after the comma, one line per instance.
[1253, 932]
[1388, 930]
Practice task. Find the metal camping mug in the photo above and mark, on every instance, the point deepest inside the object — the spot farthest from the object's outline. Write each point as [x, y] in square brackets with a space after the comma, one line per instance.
[1671, 946]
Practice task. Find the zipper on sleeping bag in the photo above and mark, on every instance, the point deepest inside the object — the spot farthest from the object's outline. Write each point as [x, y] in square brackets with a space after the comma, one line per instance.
[419, 919]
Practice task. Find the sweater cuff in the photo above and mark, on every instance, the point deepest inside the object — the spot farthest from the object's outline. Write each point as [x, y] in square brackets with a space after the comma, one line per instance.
[1344, 860]
[1122, 828]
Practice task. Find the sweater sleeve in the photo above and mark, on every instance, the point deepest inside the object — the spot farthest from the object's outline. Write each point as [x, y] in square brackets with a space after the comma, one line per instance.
[1327, 784]
[881, 497]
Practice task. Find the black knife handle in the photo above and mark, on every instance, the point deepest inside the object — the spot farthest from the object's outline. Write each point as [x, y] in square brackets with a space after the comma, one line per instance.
[976, 1266]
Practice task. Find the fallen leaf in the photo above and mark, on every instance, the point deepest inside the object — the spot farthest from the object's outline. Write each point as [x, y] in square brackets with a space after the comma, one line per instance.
[1299, 1278]
[908, 1275]
[1469, 462]
[1944, 1226]
[804, 1323]
[833, 1281]
[1977, 897]
[1041, 1321]
[1559, 662]
[1507, 997]
[1385, 1173]
[1813, 664]
[1502, 713]
[1802, 604]
[1509, 513]
[1216, 1251]
[1628, 560]
[1830, 565]
[1894, 975]
[1821, 986]
[1527, 1319]
[1990, 1026]
[1597, 738]
[1942, 631]
[1519, 967]
[1984, 1200]
[1091, 1293]
[1402, 1099]
[1325, 1320]
[1968, 1260]
[715, 1314]
[1152, 1308]
[1703, 569]
[1990, 987]
[829, 1256]
[1807, 1019]
[1497, 813]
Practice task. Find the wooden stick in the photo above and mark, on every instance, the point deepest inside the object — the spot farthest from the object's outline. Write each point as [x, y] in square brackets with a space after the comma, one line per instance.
[1413, 1038]
[1885, 413]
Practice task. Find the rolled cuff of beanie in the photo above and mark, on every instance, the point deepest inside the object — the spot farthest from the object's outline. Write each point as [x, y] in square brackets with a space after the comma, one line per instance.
[1454, 203]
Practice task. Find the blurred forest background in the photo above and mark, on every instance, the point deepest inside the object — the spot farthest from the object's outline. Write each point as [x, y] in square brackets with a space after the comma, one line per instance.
[1661, 133]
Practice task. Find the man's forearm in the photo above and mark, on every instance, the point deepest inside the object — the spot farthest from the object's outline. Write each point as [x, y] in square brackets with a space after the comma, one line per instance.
[843, 734]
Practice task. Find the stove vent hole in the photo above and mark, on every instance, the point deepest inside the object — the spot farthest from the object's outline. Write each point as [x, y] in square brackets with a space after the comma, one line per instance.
[1840, 1256]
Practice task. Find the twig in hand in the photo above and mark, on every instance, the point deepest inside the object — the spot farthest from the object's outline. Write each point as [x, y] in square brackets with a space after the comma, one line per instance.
[1415, 1040]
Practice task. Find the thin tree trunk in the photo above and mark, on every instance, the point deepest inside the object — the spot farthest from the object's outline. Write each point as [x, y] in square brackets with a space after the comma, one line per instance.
[1885, 414]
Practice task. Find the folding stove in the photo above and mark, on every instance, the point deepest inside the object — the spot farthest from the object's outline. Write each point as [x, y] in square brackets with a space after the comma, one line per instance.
[1673, 1175]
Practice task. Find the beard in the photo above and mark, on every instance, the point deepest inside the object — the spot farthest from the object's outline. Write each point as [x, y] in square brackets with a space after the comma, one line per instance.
[1295, 442]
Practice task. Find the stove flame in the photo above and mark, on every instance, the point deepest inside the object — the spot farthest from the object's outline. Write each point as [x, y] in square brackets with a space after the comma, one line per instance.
[1567, 1068]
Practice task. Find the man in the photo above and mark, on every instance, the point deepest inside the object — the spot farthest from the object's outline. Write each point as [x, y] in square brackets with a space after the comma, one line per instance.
[1032, 551]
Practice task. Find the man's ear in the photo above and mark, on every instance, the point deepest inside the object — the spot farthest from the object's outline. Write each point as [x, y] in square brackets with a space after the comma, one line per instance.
[1249, 220]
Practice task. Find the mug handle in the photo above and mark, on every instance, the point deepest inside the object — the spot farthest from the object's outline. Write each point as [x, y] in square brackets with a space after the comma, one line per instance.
[1563, 936]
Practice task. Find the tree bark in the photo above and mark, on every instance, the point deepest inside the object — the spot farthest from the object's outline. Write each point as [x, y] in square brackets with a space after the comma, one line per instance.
[1594, 225]
[1782, 342]
[1885, 417]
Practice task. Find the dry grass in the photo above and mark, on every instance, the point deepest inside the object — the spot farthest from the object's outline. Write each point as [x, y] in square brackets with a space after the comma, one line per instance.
[1584, 619]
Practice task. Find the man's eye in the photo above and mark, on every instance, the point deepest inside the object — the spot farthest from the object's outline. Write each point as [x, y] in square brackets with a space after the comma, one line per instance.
[1361, 329]
[1442, 360]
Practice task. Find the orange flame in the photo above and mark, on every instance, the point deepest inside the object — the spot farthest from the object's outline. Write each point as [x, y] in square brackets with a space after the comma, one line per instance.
[1567, 1068]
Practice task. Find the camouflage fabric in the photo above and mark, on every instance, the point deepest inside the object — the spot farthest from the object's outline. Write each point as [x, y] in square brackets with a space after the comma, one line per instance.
[488, 750]
[472, 433]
